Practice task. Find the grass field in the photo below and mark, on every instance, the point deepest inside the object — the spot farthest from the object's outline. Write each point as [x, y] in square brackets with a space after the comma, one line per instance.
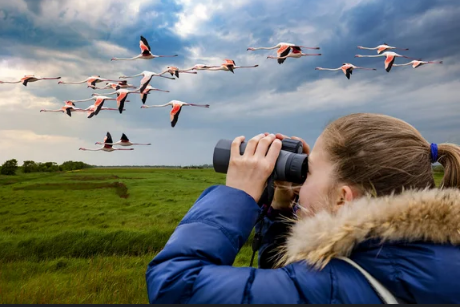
[87, 236]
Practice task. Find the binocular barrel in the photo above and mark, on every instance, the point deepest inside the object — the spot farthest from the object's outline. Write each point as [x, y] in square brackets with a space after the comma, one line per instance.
[291, 165]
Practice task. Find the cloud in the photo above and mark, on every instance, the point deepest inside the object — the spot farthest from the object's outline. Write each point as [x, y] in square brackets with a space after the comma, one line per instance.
[75, 40]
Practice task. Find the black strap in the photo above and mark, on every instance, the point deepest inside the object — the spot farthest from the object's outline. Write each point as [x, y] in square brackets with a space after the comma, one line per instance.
[264, 202]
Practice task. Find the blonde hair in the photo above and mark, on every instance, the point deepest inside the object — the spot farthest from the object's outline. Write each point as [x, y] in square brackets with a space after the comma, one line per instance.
[382, 155]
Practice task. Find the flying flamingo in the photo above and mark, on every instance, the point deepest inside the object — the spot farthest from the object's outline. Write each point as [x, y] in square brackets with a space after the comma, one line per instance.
[67, 108]
[147, 91]
[147, 77]
[201, 67]
[295, 53]
[416, 64]
[390, 58]
[382, 48]
[176, 108]
[91, 81]
[99, 101]
[29, 78]
[107, 145]
[145, 52]
[94, 110]
[122, 94]
[121, 84]
[347, 69]
[283, 50]
[230, 65]
[175, 71]
[124, 141]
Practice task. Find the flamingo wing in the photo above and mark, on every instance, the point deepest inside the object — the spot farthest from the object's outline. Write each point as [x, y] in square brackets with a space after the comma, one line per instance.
[347, 71]
[144, 45]
[296, 49]
[69, 111]
[144, 96]
[123, 82]
[416, 64]
[98, 105]
[144, 82]
[124, 138]
[108, 139]
[121, 101]
[174, 115]
[25, 80]
[381, 49]
[389, 61]
[230, 62]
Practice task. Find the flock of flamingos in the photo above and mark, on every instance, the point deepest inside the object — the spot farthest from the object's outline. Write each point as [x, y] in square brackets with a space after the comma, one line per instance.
[122, 87]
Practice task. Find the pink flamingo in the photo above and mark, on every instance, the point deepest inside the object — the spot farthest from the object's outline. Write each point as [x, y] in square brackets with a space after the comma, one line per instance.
[147, 90]
[382, 48]
[416, 64]
[94, 110]
[107, 145]
[146, 53]
[176, 108]
[201, 67]
[29, 78]
[230, 65]
[175, 71]
[122, 94]
[295, 53]
[390, 58]
[147, 77]
[121, 84]
[68, 108]
[347, 69]
[284, 50]
[91, 81]
[124, 141]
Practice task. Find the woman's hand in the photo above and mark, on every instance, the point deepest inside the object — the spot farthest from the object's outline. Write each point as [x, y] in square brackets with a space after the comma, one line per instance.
[284, 191]
[249, 172]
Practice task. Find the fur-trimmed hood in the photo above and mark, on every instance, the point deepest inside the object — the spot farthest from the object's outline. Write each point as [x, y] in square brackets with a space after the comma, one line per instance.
[431, 215]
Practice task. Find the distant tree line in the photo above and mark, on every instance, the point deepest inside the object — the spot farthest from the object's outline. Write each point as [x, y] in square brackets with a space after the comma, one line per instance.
[11, 166]
[203, 166]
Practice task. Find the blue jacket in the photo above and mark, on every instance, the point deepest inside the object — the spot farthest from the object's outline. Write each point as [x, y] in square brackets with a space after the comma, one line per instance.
[195, 266]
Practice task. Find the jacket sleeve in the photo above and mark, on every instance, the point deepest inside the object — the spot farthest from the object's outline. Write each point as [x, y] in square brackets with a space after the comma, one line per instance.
[274, 230]
[195, 265]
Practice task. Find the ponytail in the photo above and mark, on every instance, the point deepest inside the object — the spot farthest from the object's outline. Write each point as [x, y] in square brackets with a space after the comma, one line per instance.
[449, 157]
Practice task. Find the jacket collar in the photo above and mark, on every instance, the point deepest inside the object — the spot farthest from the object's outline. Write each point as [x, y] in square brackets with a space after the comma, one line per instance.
[431, 215]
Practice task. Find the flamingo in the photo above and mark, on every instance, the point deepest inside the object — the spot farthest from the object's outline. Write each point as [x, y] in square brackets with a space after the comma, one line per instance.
[124, 141]
[176, 108]
[382, 48]
[390, 58]
[283, 50]
[416, 64]
[147, 77]
[107, 145]
[99, 102]
[94, 110]
[145, 52]
[347, 69]
[121, 84]
[122, 94]
[66, 109]
[295, 53]
[201, 67]
[91, 81]
[230, 65]
[147, 91]
[175, 71]
[29, 78]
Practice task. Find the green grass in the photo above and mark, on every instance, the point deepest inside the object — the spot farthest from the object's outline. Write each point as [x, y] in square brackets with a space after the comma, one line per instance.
[87, 236]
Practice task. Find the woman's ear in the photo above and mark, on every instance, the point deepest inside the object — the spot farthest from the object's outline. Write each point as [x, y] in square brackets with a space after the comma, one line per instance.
[345, 195]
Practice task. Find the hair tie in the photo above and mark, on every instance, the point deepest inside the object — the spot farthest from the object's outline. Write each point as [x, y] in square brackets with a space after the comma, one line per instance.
[434, 152]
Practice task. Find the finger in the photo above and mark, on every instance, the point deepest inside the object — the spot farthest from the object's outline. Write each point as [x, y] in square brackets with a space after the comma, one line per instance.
[281, 136]
[263, 145]
[252, 145]
[235, 148]
[273, 153]
[306, 147]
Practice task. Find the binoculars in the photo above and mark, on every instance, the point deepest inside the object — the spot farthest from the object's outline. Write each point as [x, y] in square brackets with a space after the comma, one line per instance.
[291, 165]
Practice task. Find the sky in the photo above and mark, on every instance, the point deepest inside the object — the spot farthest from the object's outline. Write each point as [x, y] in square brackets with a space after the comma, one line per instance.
[77, 39]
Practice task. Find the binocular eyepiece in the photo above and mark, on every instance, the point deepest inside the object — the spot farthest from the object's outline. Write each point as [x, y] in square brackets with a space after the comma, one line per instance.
[291, 165]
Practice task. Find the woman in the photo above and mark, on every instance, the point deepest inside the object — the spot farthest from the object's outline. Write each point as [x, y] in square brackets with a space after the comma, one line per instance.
[369, 196]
